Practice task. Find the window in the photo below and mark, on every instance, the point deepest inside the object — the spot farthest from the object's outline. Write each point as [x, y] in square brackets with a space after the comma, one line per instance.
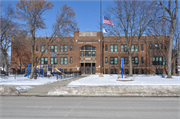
[123, 48]
[23, 71]
[160, 46]
[111, 71]
[126, 71]
[134, 48]
[150, 45]
[142, 47]
[53, 48]
[137, 71]
[113, 60]
[36, 47]
[82, 53]
[106, 47]
[142, 71]
[157, 71]
[158, 61]
[116, 71]
[87, 47]
[63, 60]
[42, 48]
[36, 59]
[135, 60]
[63, 48]
[113, 48]
[71, 48]
[125, 60]
[65, 70]
[142, 60]
[93, 53]
[88, 53]
[70, 70]
[106, 60]
[70, 60]
[161, 71]
[106, 71]
[156, 46]
[44, 60]
[53, 60]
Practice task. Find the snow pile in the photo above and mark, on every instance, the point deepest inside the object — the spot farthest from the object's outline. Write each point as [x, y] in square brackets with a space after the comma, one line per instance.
[23, 88]
[111, 80]
[21, 80]
[8, 90]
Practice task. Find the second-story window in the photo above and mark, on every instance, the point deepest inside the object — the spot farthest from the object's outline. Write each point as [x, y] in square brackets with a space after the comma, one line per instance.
[150, 46]
[106, 60]
[106, 47]
[134, 48]
[113, 60]
[63, 60]
[42, 48]
[142, 60]
[88, 51]
[70, 60]
[135, 60]
[53, 48]
[125, 59]
[53, 60]
[93, 53]
[44, 60]
[63, 48]
[113, 48]
[123, 48]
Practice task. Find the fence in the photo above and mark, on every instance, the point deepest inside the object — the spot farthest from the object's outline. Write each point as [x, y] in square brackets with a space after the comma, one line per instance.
[55, 74]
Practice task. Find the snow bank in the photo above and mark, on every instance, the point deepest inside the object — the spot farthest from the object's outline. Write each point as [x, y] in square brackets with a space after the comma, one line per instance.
[111, 80]
[131, 90]
[8, 90]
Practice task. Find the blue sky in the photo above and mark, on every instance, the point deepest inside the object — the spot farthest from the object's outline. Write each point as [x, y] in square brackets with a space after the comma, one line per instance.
[87, 14]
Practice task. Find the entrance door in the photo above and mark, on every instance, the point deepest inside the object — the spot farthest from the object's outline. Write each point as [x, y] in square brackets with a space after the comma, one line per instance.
[88, 68]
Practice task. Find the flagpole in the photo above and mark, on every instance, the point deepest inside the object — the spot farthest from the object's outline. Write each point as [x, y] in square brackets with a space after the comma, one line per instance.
[101, 75]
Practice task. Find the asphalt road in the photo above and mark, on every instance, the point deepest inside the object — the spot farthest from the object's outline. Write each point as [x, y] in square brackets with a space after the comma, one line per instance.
[22, 107]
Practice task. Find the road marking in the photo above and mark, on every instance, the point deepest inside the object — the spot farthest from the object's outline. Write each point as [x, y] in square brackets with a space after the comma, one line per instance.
[74, 107]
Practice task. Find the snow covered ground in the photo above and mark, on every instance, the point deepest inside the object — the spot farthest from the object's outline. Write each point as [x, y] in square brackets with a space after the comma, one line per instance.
[111, 80]
[21, 80]
[22, 83]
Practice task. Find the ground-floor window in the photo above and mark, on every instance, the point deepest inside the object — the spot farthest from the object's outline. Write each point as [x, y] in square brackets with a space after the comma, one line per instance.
[14, 71]
[157, 72]
[106, 71]
[161, 71]
[142, 71]
[111, 71]
[44, 60]
[137, 71]
[65, 70]
[63, 60]
[70, 70]
[116, 71]
[126, 71]
[23, 71]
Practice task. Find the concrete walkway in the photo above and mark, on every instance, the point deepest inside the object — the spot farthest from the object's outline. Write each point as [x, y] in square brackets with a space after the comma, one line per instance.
[44, 89]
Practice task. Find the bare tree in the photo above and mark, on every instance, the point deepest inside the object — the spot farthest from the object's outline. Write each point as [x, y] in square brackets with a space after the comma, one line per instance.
[32, 12]
[21, 53]
[131, 20]
[171, 9]
[8, 28]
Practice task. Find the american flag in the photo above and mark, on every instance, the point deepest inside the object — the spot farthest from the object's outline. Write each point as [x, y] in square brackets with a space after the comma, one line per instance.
[107, 21]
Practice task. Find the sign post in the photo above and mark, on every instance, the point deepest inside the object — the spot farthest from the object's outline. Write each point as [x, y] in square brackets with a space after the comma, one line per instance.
[122, 66]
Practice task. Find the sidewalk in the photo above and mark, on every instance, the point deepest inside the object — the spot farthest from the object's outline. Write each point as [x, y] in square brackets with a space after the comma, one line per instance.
[44, 89]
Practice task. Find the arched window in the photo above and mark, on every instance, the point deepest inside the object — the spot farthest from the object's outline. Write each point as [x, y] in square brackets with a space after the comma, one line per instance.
[88, 51]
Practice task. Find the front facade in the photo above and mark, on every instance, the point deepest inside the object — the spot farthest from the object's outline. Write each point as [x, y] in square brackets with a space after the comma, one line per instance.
[83, 52]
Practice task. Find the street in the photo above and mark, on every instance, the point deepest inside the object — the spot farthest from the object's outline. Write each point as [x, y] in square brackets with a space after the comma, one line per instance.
[22, 107]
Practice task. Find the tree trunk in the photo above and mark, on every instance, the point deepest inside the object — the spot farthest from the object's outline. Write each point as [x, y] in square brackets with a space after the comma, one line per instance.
[32, 67]
[6, 63]
[130, 65]
[174, 66]
[170, 50]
